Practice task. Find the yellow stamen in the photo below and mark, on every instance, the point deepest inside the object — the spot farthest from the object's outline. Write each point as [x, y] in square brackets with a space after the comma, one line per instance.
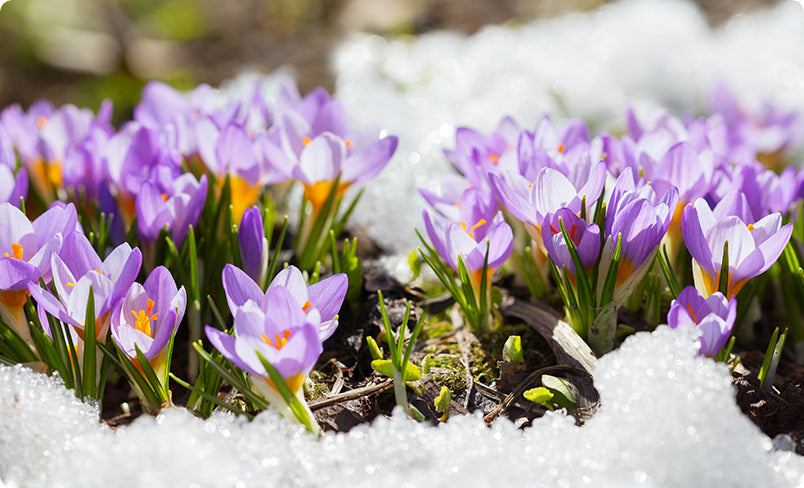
[16, 251]
[474, 227]
[71, 285]
[143, 318]
[278, 342]
[306, 140]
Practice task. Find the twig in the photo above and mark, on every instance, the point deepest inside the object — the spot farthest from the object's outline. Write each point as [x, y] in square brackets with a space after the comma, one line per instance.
[352, 394]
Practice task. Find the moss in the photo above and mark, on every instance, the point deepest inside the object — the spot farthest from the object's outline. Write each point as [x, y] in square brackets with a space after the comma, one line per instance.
[482, 364]
[316, 387]
[447, 370]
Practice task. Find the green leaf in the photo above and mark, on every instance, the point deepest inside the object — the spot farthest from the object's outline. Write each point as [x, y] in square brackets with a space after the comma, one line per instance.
[415, 413]
[540, 395]
[723, 282]
[386, 367]
[512, 349]
[210, 398]
[90, 381]
[374, 349]
[561, 390]
[443, 400]
[669, 274]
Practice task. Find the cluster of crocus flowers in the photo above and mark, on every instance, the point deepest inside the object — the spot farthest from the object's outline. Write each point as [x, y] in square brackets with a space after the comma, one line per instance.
[284, 326]
[661, 178]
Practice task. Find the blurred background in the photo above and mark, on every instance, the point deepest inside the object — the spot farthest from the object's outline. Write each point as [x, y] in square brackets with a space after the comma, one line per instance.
[81, 51]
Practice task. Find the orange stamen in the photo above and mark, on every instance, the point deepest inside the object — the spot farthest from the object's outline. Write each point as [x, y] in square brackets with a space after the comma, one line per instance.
[41, 121]
[306, 140]
[143, 318]
[689, 307]
[164, 197]
[750, 226]
[278, 342]
[474, 227]
[493, 157]
[561, 148]
[348, 144]
[16, 251]
[307, 305]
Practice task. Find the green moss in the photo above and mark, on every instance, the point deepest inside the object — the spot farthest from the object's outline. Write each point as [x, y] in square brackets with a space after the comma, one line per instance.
[447, 370]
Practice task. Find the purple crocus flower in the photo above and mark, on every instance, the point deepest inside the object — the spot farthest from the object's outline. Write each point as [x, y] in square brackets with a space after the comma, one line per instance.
[585, 237]
[253, 244]
[752, 247]
[172, 203]
[321, 300]
[470, 242]
[641, 219]
[462, 202]
[477, 154]
[26, 249]
[235, 152]
[77, 268]
[713, 317]
[148, 316]
[286, 337]
[530, 201]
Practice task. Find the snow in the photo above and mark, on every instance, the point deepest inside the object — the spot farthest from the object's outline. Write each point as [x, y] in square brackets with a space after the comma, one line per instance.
[667, 418]
[590, 65]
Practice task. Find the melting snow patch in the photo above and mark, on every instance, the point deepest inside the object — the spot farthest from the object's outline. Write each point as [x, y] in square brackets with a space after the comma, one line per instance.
[667, 418]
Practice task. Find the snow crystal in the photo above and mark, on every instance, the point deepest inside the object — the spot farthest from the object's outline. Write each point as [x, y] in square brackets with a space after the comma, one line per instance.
[667, 418]
[588, 65]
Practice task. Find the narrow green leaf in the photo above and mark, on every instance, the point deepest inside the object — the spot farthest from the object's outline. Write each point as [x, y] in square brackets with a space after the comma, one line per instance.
[723, 282]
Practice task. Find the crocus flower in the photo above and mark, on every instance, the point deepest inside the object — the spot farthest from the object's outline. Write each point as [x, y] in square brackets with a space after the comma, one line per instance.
[285, 336]
[585, 237]
[471, 241]
[253, 244]
[713, 317]
[477, 154]
[26, 249]
[530, 201]
[752, 247]
[175, 203]
[77, 268]
[324, 297]
[235, 152]
[148, 316]
[640, 219]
